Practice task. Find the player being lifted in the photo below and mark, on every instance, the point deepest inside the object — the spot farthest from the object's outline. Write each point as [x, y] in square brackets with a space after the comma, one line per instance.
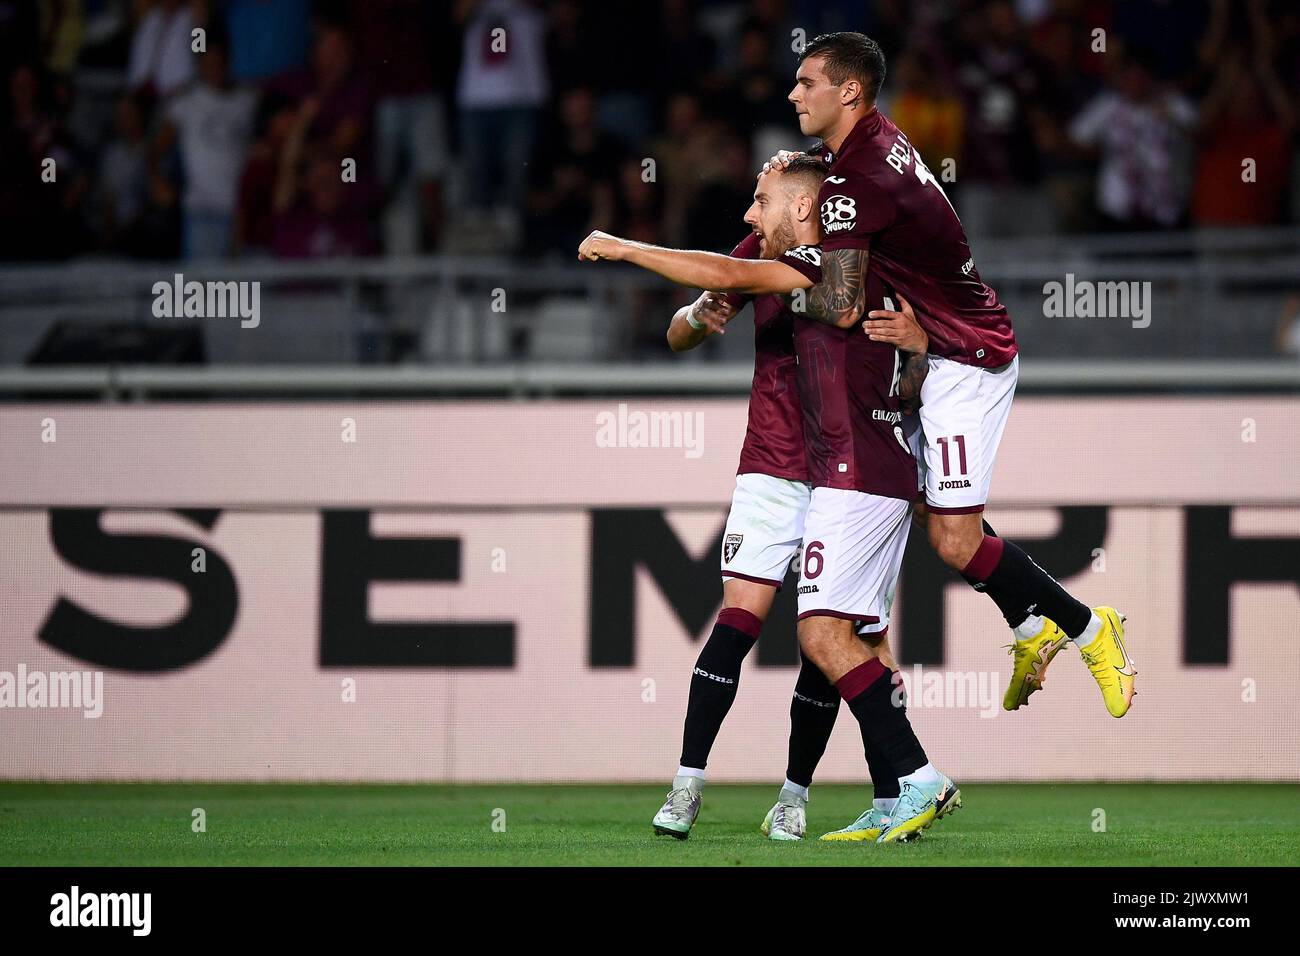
[854, 528]
[885, 215]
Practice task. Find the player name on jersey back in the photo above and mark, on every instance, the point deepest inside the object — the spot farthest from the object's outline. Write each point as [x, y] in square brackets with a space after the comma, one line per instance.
[880, 196]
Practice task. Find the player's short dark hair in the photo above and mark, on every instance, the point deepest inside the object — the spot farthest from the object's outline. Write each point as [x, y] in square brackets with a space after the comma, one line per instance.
[847, 56]
[810, 168]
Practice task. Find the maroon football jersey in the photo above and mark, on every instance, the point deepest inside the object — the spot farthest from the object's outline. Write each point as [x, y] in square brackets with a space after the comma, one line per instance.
[880, 196]
[774, 439]
[852, 421]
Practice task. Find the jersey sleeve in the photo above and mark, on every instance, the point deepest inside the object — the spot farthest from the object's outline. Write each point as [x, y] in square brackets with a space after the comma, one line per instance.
[747, 248]
[853, 209]
[806, 260]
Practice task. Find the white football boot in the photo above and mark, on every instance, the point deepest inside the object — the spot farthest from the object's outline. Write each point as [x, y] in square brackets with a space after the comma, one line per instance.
[676, 817]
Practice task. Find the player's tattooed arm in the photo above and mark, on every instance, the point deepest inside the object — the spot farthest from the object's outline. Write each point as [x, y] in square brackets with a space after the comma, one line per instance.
[910, 379]
[838, 299]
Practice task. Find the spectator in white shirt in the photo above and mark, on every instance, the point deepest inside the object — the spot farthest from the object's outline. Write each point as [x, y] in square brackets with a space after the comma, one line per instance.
[1140, 132]
[503, 83]
[212, 124]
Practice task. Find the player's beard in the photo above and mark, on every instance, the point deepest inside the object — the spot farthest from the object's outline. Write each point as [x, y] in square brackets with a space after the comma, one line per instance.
[781, 239]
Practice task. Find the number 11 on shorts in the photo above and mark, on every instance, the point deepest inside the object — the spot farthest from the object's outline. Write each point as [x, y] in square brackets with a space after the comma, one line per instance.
[960, 442]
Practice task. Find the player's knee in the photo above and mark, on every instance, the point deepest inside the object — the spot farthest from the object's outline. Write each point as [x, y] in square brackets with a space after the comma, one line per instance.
[752, 597]
[829, 642]
[815, 641]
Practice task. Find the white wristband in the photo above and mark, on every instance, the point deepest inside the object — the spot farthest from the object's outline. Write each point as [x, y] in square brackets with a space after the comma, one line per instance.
[690, 319]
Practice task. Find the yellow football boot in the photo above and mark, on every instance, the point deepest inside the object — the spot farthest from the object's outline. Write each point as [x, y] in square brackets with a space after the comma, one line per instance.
[1109, 662]
[919, 805]
[1032, 656]
[866, 828]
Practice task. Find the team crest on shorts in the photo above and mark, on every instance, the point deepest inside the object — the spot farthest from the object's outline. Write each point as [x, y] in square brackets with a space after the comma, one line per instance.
[730, 545]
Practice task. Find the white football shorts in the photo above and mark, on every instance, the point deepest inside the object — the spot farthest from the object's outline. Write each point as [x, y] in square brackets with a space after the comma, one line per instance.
[852, 553]
[963, 412]
[764, 528]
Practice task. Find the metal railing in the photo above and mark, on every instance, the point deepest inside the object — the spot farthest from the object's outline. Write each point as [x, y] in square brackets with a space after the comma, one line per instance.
[498, 324]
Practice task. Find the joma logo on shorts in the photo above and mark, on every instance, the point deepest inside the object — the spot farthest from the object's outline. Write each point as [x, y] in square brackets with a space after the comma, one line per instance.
[958, 483]
[808, 589]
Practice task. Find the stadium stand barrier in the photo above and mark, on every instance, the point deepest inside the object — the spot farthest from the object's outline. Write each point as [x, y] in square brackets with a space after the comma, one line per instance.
[500, 325]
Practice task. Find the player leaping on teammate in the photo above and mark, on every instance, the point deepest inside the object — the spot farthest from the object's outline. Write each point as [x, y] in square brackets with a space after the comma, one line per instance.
[884, 214]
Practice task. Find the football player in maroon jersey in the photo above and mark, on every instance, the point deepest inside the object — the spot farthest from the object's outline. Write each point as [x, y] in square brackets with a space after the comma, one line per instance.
[864, 479]
[885, 215]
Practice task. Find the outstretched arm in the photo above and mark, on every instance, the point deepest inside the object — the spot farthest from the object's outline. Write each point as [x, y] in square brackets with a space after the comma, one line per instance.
[698, 270]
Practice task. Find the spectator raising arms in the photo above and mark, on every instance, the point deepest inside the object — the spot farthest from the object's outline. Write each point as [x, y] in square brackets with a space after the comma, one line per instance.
[161, 59]
[316, 214]
[1138, 128]
[1243, 146]
[341, 118]
[471, 126]
[255, 216]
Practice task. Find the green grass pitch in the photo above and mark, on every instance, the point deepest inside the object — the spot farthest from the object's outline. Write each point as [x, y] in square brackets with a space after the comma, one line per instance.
[1002, 825]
